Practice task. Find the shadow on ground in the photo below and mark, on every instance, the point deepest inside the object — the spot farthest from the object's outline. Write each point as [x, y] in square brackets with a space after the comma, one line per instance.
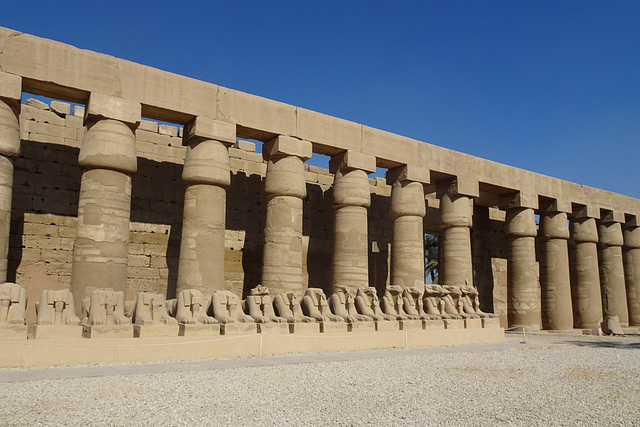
[620, 343]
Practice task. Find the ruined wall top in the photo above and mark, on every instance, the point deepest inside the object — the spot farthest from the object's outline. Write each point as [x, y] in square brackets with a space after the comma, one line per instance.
[62, 71]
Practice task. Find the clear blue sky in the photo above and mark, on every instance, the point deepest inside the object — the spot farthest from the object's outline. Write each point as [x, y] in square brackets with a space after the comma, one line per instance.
[548, 86]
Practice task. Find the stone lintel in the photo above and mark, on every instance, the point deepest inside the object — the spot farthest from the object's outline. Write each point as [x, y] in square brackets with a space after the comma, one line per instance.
[283, 145]
[10, 87]
[458, 186]
[204, 128]
[607, 215]
[409, 173]
[110, 107]
[585, 211]
[352, 160]
[519, 199]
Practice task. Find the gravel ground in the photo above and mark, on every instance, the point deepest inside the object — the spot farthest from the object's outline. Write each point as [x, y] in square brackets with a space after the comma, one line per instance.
[570, 380]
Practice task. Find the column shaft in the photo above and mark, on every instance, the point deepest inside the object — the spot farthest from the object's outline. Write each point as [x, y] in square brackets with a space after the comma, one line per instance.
[587, 297]
[407, 247]
[614, 297]
[9, 147]
[555, 277]
[632, 272]
[523, 293]
[455, 240]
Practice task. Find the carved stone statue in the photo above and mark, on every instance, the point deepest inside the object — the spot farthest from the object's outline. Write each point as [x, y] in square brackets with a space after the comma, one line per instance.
[368, 303]
[342, 303]
[192, 307]
[455, 299]
[227, 308]
[151, 309]
[471, 302]
[13, 304]
[287, 305]
[56, 308]
[434, 302]
[106, 307]
[259, 305]
[413, 304]
[393, 304]
[315, 305]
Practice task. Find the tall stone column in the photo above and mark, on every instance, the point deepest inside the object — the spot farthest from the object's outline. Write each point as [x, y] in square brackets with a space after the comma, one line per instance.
[523, 293]
[285, 189]
[456, 213]
[407, 212]
[632, 272]
[555, 277]
[351, 198]
[10, 95]
[206, 175]
[108, 160]
[614, 296]
[587, 298]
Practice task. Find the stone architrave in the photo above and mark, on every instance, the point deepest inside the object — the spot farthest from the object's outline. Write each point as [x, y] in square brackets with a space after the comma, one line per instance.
[285, 189]
[206, 175]
[523, 293]
[555, 277]
[351, 198]
[456, 211]
[632, 272]
[108, 160]
[587, 297]
[407, 211]
[614, 297]
[10, 94]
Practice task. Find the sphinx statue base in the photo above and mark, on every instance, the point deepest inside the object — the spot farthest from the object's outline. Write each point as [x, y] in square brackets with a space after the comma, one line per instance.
[274, 328]
[490, 322]
[238, 328]
[57, 331]
[304, 328]
[410, 324]
[198, 329]
[155, 330]
[361, 326]
[107, 331]
[454, 323]
[13, 332]
[333, 327]
[433, 324]
[387, 325]
[473, 323]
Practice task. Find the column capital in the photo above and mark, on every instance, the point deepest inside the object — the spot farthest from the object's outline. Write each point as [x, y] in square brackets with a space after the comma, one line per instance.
[631, 236]
[350, 160]
[283, 145]
[204, 128]
[10, 87]
[520, 222]
[553, 225]
[102, 106]
[610, 233]
[410, 173]
[584, 230]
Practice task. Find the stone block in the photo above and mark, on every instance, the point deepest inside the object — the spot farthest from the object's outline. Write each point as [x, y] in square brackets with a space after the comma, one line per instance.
[149, 126]
[473, 323]
[368, 326]
[107, 331]
[13, 332]
[287, 146]
[454, 323]
[273, 328]
[304, 328]
[10, 86]
[57, 332]
[31, 113]
[206, 128]
[199, 330]
[73, 122]
[490, 322]
[333, 327]
[241, 144]
[168, 130]
[151, 331]
[410, 173]
[78, 111]
[387, 325]
[406, 325]
[433, 324]
[238, 328]
[110, 107]
[61, 108]
[36, 103]
[352, 160]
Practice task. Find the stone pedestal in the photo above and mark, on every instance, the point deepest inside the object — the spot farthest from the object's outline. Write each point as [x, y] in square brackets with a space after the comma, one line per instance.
[456, 267]
[285, 189]
[111, 331]
[333, 327]
[351, 199]
[13, 332]
[206, 175]
[587, 299]
[10, 95]
[273, 328]
[632, 272]
[304, 328]
[152, 331]
[411, 324]
[387, 325]
[523, 292]
[57, 332]
[108, 159]
[199, 329]
[555, 282]
[238, 328]
[490, 322]
[361, 326]
[454, 324]
[433, 324]
[473, 323]
[614, 297]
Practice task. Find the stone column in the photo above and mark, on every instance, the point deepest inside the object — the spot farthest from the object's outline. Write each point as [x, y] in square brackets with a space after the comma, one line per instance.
[584, 235]
[407, 212]
[351, 198]
[555, 277]
[108, 160]
[523, 293]
[10, 95]
[614, 297]
[632, 272]
[456, 213]
[206, 175]
[285, 189]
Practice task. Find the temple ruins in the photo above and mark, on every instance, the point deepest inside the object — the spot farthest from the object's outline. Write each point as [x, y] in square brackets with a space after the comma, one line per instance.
[148, 207]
